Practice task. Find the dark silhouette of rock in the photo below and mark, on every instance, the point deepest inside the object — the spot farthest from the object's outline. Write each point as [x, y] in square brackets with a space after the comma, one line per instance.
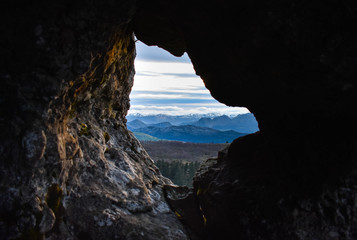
[292, 64]
[183, 202]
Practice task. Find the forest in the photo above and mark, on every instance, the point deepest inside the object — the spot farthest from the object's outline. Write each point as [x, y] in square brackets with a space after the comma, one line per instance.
[180, 173]
[179, 161]
[182, 151]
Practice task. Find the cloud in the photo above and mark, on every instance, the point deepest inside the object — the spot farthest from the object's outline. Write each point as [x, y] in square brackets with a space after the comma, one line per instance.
[180, 75]
[189, 88]
[168, 108]
[188, 94]
[165, 68]
[158, 74]
[165, 84]
[153, 109]
[170, 101]
[179, 110]
[147, 74]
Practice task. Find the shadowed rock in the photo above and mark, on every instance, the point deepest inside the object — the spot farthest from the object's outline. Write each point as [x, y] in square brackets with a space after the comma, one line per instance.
[69, 166]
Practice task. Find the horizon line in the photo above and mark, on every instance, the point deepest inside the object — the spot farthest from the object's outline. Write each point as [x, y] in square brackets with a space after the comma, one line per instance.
[166, 114]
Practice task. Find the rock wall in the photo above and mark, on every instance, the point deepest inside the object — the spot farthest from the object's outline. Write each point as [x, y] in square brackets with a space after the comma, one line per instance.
[71, 169]
[293, 64]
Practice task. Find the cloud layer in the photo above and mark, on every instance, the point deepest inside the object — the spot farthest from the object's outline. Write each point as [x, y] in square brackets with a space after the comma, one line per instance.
[165, 84]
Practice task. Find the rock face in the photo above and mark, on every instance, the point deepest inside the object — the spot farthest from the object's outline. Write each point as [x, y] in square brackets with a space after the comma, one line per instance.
[293, 64]
[70, 169]
[266, 203]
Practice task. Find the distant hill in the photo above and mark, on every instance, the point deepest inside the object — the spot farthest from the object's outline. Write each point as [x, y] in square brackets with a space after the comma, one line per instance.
[161, 125]
[243, 123]
[145, 137]
[159, 118]
[135, 124]
[189, 133]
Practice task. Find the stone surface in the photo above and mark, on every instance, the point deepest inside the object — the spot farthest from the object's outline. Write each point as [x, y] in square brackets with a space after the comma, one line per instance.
[293, 64]
[250, 200]
[70, 169]
[183, 202]
[48, 220]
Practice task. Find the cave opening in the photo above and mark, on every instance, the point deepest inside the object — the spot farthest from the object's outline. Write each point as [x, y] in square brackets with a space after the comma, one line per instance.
[175, 117]
[71, 169]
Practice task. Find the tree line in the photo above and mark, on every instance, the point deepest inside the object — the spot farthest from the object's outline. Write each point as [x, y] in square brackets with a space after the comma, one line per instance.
[185, 151]
[180, 173]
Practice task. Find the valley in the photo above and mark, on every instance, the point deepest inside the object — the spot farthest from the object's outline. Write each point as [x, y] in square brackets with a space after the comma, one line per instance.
[192, 128]
[178, 144]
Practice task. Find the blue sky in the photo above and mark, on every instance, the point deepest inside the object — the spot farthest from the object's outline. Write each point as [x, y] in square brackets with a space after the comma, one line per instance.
[165, 84]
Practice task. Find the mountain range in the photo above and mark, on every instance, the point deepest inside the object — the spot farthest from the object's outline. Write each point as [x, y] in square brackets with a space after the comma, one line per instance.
[244, 123]
[174, 120]
[190, 133]
[191, 128]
